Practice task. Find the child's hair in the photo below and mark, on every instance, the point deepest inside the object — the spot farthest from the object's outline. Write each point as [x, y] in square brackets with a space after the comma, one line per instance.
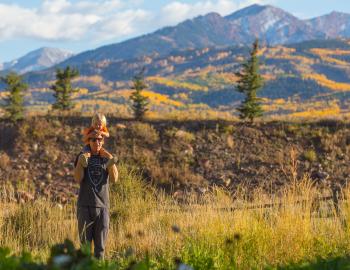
[99, 117]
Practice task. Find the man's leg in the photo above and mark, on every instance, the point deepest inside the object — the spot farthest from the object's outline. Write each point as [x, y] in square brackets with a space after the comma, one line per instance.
[85, 225]
[100, 232]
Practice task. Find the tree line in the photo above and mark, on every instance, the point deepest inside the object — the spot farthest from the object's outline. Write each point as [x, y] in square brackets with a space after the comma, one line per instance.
[249, 83]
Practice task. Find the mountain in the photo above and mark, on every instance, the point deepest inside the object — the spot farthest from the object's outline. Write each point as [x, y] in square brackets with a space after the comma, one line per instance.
[333, 25]
[193, 64]
[312, 77]
[270, 24]
[200, 32]
[37, 60]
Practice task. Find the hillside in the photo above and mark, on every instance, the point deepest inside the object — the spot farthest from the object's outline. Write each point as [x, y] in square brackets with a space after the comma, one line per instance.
[301, 80]
[37, 156]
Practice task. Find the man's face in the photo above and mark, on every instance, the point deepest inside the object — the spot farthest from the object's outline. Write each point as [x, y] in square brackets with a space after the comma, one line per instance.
[96, 144]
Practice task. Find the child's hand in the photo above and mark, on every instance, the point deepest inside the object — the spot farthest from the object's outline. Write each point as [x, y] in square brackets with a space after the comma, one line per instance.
[83, 159]
[112, 161]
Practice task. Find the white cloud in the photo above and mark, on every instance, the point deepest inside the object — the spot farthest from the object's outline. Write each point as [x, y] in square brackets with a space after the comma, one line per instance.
[54, 6]
[101, 20]
[124, 23]
[57, 20]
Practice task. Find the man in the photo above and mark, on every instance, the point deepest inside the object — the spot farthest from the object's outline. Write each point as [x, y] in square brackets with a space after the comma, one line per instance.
[93, 171]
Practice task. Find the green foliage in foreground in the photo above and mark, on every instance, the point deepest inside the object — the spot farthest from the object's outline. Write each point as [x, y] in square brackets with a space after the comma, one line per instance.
[66, 257]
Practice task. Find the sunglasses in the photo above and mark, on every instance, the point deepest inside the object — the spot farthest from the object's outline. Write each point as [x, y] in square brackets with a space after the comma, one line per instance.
[96, 139]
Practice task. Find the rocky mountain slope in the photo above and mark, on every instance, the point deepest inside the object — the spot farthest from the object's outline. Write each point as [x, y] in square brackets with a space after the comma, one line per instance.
[40, 59]
[270, 24]
[333, 25]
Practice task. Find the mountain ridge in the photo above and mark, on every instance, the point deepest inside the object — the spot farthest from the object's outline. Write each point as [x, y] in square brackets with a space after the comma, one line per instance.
[270, 24]
[36, 60]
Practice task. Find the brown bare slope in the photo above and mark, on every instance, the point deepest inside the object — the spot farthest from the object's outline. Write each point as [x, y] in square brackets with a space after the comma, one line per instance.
[37, 156]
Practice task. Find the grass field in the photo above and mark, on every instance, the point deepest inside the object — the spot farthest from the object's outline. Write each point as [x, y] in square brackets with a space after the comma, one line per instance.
[217, 230]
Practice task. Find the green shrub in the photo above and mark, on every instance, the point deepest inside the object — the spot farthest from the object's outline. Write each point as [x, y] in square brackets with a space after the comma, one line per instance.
[310, 155]
[143, 132]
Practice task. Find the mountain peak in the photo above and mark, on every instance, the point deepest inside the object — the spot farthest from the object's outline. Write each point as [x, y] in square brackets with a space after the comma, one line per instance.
[38, 59]
[334, 14]
[335, 24]
[212, 16]
[252, 10]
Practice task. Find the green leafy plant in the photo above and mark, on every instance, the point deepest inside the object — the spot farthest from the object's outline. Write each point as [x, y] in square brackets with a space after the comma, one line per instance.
[310, 155]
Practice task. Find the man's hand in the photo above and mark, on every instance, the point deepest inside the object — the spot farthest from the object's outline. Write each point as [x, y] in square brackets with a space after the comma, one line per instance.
[112, 161]
[83, 159]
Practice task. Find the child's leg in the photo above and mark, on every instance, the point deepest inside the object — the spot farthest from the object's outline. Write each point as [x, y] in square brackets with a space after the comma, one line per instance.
[105, 153]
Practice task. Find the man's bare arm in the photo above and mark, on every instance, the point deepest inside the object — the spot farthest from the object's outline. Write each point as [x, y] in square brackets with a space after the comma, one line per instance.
[111, 165]
[79, 168]
[113, 173]
[78, 173]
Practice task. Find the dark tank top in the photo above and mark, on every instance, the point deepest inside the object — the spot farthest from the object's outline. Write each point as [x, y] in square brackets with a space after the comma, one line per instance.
[94, 186]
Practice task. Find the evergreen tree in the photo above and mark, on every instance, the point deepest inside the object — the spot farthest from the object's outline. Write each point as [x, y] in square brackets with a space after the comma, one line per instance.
[14, 103]
[139, 102]
[63, 88]
[249, 82]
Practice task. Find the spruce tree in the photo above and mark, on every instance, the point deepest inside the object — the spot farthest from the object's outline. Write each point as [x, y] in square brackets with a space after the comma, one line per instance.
[249, 83]
[14, 103]
[63, 88]
[139, 102]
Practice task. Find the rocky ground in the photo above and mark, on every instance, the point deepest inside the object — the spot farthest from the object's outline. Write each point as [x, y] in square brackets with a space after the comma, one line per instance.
[37, 155]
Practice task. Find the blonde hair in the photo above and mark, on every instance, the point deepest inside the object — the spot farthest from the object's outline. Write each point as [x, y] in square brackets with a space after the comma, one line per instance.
[99, 117]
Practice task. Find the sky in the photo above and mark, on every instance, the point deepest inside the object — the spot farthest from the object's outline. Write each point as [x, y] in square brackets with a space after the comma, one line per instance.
[80, 25]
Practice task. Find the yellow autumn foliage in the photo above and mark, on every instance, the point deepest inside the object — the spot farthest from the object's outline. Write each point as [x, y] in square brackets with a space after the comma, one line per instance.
[320, 51]
[327, 112]
[177, 59]
[81, 91]
[324, 81]
[261, 51]
[4, 94]
[177, 84]
[334, 60]
[325, 54]
[96, 79]
[279, 50]
[301, 59]
[268, 77]
[226, 77]
[219, 56]
[156, 98]
[182, 96]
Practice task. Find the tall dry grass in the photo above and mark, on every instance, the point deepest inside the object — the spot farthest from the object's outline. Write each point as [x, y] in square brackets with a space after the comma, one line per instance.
[214, 226]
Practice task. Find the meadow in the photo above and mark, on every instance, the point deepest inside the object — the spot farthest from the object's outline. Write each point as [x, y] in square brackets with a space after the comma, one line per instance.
[247, 229]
